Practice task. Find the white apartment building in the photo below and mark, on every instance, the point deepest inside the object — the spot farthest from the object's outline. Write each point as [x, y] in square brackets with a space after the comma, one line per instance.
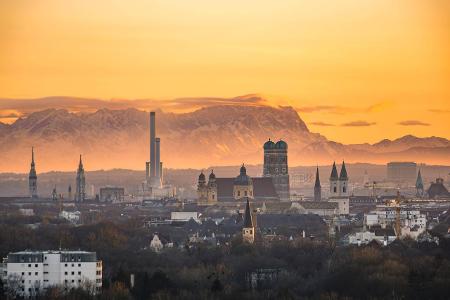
[386, 217]
[30, 273]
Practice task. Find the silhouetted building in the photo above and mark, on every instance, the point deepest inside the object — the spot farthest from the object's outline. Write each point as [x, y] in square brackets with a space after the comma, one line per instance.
[32, 177]
[54, 194]
[112, 194]
[276, 167]
[154, 171]
[218, 190]
[207, 192]
[248, 230]
[80, 194]
[317, 187]
[438, 190]
[401, 171]
[419, 185]
[339, 184]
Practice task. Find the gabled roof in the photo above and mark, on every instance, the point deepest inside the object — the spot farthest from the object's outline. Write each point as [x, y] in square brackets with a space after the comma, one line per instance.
[334, 173]
[343, 175]
[248, 223]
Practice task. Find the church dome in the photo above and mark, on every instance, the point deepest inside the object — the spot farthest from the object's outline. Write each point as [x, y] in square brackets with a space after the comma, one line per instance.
[243, 178]
[281, 144]
[201, 177]
[269, 145]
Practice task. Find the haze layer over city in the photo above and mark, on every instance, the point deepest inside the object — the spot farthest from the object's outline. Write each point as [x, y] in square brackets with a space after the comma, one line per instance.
[224, 149]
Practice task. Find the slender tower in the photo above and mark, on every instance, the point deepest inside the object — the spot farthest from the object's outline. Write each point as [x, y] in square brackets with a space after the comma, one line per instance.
[343, 181]
[32, 178]
[317, 187]
[80, 193]
[334, 178]
[152, 145]
[248, 230]
[419, 185]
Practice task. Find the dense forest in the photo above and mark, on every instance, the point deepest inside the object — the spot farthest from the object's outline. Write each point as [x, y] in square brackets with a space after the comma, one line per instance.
[304, 268]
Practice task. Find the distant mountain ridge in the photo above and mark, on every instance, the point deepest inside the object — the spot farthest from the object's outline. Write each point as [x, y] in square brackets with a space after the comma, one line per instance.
[215, 135]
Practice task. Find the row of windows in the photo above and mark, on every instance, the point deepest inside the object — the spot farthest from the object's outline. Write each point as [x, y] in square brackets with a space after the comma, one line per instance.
[73, 265]
[72, 273]
[238, 193]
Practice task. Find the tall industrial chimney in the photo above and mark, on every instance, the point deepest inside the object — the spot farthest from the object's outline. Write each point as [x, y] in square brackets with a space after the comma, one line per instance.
[152, 145]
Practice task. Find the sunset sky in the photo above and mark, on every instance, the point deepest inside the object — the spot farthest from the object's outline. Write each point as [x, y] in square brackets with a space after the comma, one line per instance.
[355, 70]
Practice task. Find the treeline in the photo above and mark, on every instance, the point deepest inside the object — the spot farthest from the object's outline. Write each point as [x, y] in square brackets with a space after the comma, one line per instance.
[305, 269]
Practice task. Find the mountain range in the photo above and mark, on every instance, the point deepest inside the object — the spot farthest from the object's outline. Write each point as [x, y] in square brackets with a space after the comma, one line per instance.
[214, 135]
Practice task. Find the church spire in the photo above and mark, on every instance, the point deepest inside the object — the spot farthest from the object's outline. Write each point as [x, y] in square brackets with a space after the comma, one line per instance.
[317, 187]
[32, 178]
[334, 173]
[248, 222]
[419, 185]
[343, 175]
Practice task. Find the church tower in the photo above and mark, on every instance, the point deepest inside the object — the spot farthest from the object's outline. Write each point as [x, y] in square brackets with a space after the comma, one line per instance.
[317, 187]
[242, 185]
[32, 178]
[212, 188]
[202, 190]
[80, 193]
[343, 181]
[276, 167]
[334, 182]
[248, 230]
[419, 185]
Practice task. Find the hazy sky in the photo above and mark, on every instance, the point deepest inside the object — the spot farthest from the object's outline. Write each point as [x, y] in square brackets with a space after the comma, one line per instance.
[356, 70]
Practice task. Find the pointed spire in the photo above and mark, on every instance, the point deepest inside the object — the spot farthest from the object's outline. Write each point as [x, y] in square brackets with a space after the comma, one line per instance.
[317, 184]
[334, 173]
[32, 155]
[343, 175]
[419, 181]
[248, 223]
[80, 164]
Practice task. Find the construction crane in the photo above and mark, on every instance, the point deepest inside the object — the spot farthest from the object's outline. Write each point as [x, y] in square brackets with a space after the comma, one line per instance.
[396, 203]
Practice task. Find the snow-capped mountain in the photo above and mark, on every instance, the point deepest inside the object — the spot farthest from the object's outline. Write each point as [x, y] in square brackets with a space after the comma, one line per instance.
[216, 135]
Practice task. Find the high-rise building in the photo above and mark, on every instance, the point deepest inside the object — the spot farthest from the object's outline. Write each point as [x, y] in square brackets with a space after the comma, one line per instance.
[80, 193]
[317, 187]
[32, 177]
[32, 272]
[276, 167]
[154, 166]
[401, 171]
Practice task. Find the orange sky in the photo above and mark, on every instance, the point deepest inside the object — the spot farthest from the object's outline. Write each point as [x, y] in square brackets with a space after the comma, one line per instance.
[383, 62]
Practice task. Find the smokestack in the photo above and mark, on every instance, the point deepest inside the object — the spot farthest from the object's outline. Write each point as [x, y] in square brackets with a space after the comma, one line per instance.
[157, 158]
[152, 144]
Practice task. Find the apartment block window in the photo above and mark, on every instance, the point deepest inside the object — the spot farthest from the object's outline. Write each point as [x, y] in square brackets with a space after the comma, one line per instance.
[23, 273]
[29, 265]
[35, 273]
[73, 273]
[79, 265]
[29, 273]
[79, 272]
[65, 273]
[73, 265]
[35, 265]
[65, 265]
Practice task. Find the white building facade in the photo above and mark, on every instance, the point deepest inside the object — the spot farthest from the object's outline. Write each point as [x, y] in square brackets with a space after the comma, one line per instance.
[30, 273]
